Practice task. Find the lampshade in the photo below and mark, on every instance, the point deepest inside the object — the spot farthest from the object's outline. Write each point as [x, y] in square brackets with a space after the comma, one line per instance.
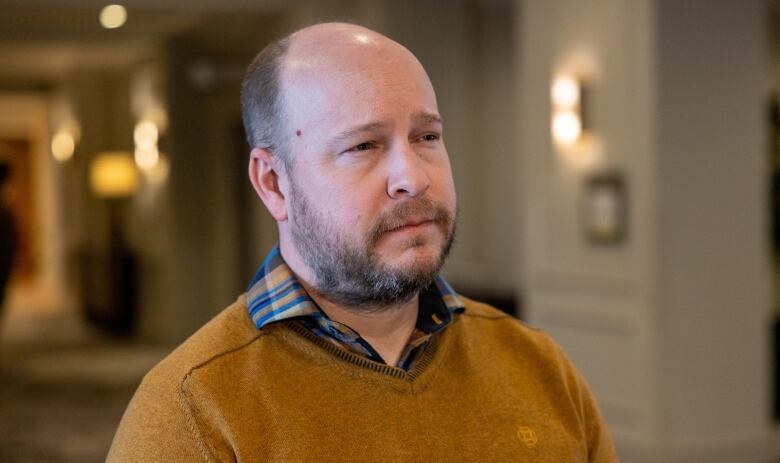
[113, 174]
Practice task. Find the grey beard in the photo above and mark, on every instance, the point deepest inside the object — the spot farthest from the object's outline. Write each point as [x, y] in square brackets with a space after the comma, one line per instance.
[354, 277]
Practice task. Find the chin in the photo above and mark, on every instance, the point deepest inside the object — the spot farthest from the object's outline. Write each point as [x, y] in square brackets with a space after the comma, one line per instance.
[415, 255]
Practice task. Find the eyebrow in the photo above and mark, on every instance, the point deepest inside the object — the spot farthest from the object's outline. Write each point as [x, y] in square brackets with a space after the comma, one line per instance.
[357, 130]
[424, 117]
[421, 117]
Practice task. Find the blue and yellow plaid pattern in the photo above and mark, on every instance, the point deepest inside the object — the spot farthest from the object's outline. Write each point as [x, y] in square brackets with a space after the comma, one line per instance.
[275, 295]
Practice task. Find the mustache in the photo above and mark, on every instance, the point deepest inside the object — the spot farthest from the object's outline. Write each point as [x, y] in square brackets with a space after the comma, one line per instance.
[423, 209]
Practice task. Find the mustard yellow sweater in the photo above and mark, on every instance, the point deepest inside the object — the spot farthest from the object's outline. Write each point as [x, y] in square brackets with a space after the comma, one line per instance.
[486, 389]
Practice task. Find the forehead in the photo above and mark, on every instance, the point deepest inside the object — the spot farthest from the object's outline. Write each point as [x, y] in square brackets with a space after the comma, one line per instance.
[353, 84]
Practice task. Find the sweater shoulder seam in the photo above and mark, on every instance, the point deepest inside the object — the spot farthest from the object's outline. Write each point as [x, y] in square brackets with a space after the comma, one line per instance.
[222, 353]
[187, 406]
[501, 316]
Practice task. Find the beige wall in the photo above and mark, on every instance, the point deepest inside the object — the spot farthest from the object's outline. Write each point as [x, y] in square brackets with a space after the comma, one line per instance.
[714, 255]
[670, 327]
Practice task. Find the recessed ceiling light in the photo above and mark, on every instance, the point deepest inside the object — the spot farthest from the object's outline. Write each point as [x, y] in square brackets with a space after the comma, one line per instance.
[113, 16]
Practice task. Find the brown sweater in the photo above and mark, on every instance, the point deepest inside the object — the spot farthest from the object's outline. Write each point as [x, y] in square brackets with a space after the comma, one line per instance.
[486, 389]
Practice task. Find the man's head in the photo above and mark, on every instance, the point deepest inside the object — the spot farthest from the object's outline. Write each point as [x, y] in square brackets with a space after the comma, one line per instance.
[348, 157]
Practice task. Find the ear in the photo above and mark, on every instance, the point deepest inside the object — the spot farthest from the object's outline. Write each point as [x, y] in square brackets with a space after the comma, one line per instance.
[264, 175]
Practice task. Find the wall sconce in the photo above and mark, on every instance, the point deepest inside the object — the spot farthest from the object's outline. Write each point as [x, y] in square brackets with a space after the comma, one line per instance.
[64, 141]
[113, 175]
[568, 124]
[113, 16]
[63, 145]
[145, 135]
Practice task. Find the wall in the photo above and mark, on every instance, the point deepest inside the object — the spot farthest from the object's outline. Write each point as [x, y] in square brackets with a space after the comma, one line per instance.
[214, 246]
[712, 185]
[594, 300]
[658, 322]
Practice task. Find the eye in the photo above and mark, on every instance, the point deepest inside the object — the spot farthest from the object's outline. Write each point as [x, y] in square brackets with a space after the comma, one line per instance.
[430, 137]
[365, 146]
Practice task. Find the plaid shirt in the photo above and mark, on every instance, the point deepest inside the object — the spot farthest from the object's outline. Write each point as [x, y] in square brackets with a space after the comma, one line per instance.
[275, 295]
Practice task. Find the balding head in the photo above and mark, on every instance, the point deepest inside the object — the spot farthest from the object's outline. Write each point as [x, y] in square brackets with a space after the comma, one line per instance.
[341, 46]
[323, 58]
[365, 201]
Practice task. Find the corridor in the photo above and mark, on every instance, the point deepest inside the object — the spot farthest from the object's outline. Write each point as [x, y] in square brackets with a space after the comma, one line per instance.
[617, 168]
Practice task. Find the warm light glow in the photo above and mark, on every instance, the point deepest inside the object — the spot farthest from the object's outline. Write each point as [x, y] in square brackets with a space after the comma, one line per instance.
[113, 174]
[113, 16]
[63, 145]
[145, 135]
[146, 152]
[565, 92]
[158, 174]
[146, 158]
[566, 127]
[158, 117]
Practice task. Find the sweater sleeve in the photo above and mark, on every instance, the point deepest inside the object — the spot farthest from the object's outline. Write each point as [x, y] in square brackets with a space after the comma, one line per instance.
[158, 426]
[162, 423]
[600, 445]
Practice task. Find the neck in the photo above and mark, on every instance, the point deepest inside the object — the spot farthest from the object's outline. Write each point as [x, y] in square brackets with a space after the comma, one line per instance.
[387, 329]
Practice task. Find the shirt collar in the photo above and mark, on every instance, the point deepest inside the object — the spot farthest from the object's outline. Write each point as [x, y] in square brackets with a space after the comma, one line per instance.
[274, 294]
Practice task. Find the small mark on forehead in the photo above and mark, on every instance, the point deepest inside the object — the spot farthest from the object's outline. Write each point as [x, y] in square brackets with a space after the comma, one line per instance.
[298, 133]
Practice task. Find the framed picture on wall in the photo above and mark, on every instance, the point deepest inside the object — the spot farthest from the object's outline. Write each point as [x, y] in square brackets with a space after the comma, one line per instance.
[605, 208]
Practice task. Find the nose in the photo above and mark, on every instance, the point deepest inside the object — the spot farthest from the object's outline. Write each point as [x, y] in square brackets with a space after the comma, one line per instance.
[407, 174]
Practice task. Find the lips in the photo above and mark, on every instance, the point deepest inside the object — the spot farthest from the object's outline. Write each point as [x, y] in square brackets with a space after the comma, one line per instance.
[417, 222]
[412, 223]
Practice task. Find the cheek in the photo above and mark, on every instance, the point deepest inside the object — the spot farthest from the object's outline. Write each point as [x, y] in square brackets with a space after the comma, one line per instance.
[359, 198]
[445, 185]
[350, 210]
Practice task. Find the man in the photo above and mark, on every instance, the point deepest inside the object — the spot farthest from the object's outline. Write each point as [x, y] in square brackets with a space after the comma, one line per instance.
[347, 346]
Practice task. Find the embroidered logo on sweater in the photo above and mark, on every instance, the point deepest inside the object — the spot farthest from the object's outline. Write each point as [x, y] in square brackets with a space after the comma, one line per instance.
[527, 435]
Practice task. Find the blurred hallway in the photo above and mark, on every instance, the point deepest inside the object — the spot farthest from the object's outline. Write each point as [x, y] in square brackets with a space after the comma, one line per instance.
[63, 387]
[641, 244]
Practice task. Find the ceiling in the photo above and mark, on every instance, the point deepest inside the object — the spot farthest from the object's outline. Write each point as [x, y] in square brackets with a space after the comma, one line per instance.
[40, 40]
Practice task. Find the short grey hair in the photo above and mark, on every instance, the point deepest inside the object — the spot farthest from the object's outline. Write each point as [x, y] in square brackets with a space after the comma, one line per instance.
[262, 106]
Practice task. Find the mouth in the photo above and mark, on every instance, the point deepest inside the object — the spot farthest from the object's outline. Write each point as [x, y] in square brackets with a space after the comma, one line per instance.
[412, 225]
